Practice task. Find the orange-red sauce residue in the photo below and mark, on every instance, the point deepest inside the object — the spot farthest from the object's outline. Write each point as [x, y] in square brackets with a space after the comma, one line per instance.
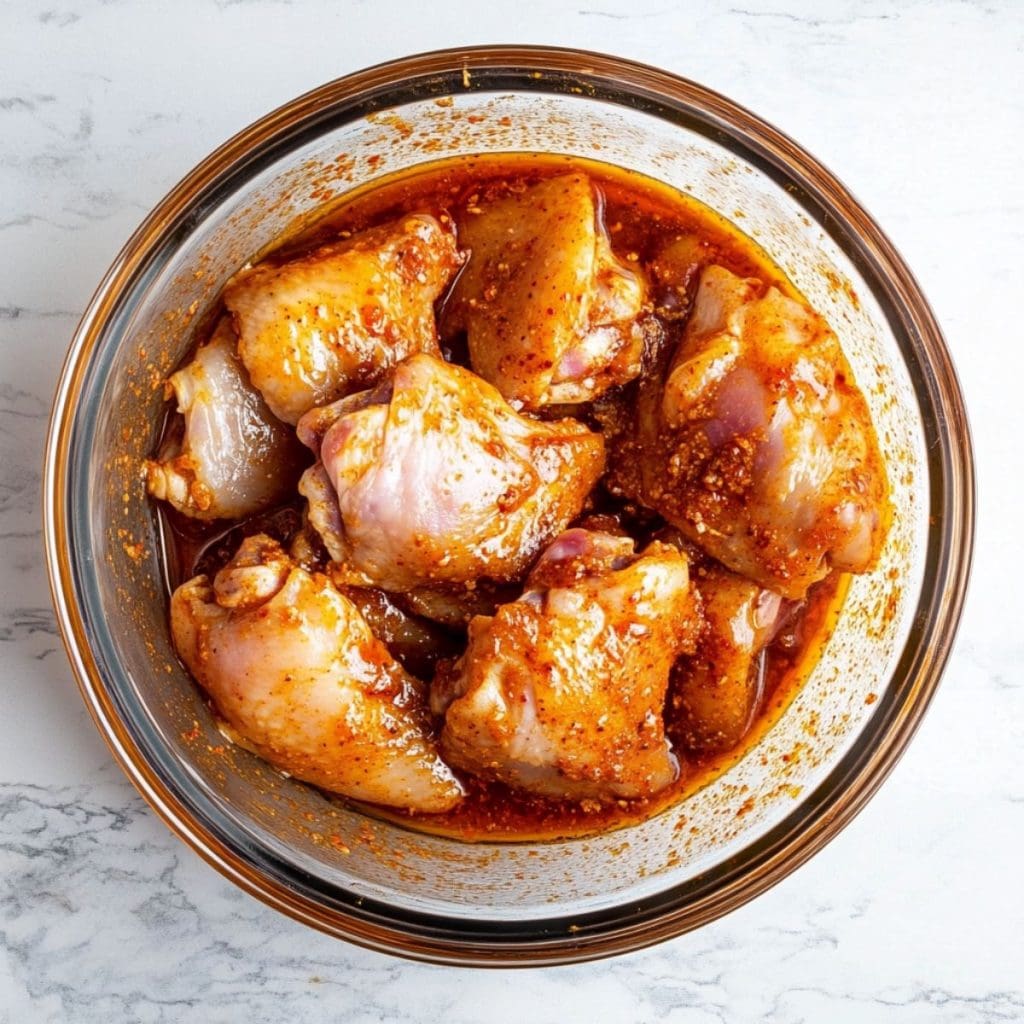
[640, 216]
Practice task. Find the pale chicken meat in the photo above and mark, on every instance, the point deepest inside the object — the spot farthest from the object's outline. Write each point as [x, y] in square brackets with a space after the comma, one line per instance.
[550, 313]
[415, 639]
[543, 491]
[233, 458]
[295, 671]
[561, 692]
[715, 693]
[434, 480]
[332, 322]
[756, 442]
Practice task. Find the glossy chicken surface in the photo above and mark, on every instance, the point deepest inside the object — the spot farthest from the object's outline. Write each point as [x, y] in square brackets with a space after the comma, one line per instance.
[320, 327]
[715, 693]
[415, 642]
[294, 669]
[756, 444]
[549, 311]
[435, 479]
[233, 458]
[561, 692]
[508, 486]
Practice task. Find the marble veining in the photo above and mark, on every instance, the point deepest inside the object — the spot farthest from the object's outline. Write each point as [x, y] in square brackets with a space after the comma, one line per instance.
[913, 915]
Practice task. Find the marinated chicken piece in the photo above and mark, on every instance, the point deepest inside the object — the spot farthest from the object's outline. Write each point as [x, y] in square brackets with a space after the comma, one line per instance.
[714, 695]
[455, 606]
[757, 444]
[324, 520]
[549, 312]
[415, 643]
[433, 480]
[234, 458]
[294, 669]
[335, 321]
[561, 692]
[675, 269]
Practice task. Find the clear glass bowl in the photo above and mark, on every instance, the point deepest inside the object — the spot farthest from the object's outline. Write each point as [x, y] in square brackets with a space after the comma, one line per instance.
[516, 903]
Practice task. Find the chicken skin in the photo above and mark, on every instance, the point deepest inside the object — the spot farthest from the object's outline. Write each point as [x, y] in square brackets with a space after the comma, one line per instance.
[561, 692]
[234, 458]
[336, 320]
[756, 443]
[294, 669]
[433, 479]
[511, 484]
[714, 694]
[550, 313]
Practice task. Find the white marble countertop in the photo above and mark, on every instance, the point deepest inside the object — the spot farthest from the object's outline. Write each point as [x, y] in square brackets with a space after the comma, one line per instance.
[914, 914]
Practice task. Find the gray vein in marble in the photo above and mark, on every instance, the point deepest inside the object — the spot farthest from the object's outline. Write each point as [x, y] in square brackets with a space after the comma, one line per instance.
[30, 103]
[990, 1008]
[59, 19]
[26, 622]
[813, 22]
[15, 401]
[623, 16]
[223, 4]
[19, 481]
[1001, 665]
[24, 313]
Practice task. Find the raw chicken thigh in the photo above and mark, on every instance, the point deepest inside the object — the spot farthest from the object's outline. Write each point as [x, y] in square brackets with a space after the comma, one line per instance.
[293, 667]
[434, 479]
[550, 314]
[544, 571]
[561, 692]
[714, 694]
[757, 444]
[234, 457]
[336, 320]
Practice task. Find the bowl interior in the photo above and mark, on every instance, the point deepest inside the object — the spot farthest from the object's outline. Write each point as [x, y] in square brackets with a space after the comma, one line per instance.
[287, 832]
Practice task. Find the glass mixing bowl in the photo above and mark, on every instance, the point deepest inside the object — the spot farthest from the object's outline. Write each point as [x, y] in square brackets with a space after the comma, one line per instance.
[379, 884]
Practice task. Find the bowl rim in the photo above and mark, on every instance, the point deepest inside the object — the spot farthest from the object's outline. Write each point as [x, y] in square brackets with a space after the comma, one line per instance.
[848, 785]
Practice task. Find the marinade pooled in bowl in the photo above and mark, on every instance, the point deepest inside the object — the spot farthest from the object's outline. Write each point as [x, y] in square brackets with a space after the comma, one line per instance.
[580, 480]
